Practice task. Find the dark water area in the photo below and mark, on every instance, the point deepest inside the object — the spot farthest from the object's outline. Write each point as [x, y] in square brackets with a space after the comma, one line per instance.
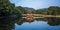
[52, 23]
[38, 24]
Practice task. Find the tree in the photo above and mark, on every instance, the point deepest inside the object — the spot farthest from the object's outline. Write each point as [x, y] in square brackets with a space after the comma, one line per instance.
[21, 9]
[53, 10]
[7, 11]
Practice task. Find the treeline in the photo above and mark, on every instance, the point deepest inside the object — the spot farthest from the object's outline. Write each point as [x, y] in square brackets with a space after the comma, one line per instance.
[9, 14]
[52, 10]
[8, 8]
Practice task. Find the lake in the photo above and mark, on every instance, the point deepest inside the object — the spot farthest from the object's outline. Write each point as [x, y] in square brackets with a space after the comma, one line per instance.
[52, 23]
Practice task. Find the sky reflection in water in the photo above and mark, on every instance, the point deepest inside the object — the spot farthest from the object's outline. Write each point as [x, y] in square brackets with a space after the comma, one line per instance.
[36, 25]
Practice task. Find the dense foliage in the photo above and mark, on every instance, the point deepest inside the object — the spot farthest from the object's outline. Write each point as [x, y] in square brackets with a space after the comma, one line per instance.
[52, 10]
[21, 9]
[8, 15]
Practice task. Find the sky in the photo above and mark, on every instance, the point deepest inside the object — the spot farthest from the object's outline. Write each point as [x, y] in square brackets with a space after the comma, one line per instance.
[36, 4]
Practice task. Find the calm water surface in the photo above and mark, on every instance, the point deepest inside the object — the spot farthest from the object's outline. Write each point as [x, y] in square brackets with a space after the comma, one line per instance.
[38, 24]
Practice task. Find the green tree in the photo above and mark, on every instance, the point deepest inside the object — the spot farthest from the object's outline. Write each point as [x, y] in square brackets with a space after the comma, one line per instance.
[21, 9]
[54, 10]
[7, 11]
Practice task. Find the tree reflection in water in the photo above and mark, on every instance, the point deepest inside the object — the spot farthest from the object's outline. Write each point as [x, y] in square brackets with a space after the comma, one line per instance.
[53, 21]
[7, 23]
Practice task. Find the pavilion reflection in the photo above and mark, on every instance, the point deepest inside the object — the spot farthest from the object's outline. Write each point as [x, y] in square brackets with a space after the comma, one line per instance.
[50, 21]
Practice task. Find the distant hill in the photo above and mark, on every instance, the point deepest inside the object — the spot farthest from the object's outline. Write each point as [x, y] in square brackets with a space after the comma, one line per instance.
[43, 9]
[27, 8]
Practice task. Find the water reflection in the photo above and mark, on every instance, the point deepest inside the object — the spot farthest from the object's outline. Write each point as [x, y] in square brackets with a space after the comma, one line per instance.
[6, 24]
[9, 23]
[52, 21]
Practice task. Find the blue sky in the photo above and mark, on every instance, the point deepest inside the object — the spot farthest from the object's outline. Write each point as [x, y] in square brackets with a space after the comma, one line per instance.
[36, 4]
